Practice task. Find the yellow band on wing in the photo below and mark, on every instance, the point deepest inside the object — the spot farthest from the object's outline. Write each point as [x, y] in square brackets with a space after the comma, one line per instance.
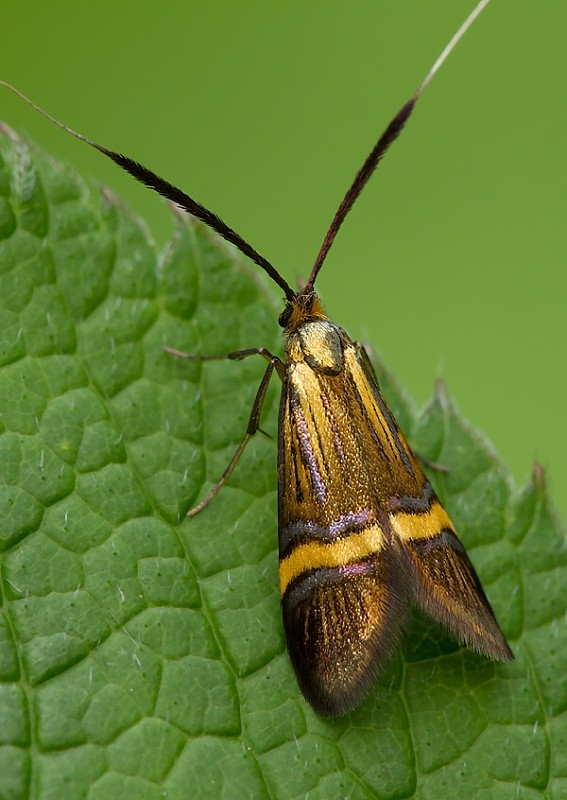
[317, 555]
[421, 525]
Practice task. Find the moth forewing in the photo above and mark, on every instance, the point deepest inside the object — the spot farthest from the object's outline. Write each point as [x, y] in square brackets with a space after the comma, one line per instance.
[362, 535]
[345, 589]
[446, 586]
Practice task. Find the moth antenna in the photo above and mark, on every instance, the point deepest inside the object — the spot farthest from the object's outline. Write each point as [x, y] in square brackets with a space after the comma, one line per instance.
[170, 192]
[451, 44]
[380, 148]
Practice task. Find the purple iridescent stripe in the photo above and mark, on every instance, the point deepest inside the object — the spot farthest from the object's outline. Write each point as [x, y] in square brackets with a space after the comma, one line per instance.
[351, 522]
[309, 455]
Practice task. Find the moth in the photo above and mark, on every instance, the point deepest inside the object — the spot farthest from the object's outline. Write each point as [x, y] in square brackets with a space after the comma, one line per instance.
[362, 535]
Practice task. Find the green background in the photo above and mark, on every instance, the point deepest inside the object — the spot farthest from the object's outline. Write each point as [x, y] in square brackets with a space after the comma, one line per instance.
[453, 262]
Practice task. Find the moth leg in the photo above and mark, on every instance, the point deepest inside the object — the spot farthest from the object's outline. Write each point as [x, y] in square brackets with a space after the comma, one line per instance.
[235, 355]
[433, 465]
[274, 363]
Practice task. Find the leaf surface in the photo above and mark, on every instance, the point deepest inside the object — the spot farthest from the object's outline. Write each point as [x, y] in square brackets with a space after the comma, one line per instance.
[142, 653]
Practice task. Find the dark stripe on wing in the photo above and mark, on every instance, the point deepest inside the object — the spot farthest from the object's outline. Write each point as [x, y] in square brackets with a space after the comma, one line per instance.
[445, 538]
[305, 584]
[391, 423]
[408, 504]
[302, 531]
[334, 427]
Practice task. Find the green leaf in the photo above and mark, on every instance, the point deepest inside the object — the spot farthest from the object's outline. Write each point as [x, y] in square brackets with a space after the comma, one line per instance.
[141, 653]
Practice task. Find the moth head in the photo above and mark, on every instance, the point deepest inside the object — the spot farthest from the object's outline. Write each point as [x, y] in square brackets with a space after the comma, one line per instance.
[303, 308]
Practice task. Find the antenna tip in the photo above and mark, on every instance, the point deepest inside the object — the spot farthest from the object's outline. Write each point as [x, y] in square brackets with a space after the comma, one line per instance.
[452, 43]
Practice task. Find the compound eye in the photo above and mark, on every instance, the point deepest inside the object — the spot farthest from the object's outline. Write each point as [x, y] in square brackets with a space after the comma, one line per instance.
[285, 317]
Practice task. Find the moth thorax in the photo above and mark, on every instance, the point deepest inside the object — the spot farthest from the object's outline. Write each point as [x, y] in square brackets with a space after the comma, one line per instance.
[321, 346]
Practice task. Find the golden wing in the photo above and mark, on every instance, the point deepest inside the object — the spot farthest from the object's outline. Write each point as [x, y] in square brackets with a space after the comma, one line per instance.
[362, 535]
